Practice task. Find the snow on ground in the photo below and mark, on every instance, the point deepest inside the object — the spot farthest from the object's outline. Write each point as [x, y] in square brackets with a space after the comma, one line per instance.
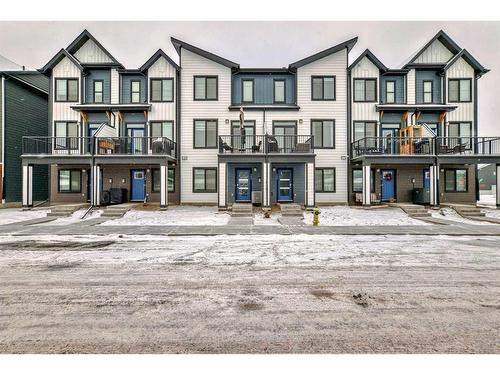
[448, 213]
[177, 215]
[75, 218]
[491, 212]
[343, 215]
[13, 215]
[487, 199]
[259, 219]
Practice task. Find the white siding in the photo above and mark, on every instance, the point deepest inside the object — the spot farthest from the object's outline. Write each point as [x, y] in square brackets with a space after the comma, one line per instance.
[115, 86]
[410, 86]
[193, 64]
[365, 111]
[91, 53]
[162, 111]
[436, 53]
[62, 111]
[464, 111]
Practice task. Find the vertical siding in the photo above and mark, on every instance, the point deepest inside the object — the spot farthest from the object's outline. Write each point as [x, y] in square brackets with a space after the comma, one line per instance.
[428, 75]
[436, 53]
[162, 111]
[126, 87]
[400, 88]
[464, 111]
[264, 87]
[96, 75]
[364, 111]
[63, 111]
[1, 131]
[410, 86]
[115, 86]
[91, 53]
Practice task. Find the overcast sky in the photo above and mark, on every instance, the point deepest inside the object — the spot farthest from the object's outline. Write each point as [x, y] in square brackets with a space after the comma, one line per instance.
[263, 44]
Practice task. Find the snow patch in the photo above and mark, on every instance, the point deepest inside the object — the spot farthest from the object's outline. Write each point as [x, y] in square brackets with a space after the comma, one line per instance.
[14, 215]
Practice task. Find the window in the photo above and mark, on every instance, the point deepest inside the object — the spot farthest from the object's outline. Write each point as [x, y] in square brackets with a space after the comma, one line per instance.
[459, 90]
[70, 181]
[279, 91]
[66, 90]
[364, 130]
[247, 88]
[157, 180]
[357, 180]
[162, 129]
[390, 91]
[428, 91]
[455, 180]
[66, 134]
[205, 133]
[323, 88]
[98, 91]
[324, 180]
[365, 90]
[135, 91]
[162, 89]
[284, 132]
[460, 133]
[324, 133]
[204, 180]
[249, 140]
[205, 88]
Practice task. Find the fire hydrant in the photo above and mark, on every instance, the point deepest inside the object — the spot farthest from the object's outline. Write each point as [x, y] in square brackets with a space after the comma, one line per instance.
[316, 213]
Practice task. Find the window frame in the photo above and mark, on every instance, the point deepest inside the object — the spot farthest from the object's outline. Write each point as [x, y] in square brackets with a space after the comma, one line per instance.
[323, 180]
[246, 124]
[153, 190]
[459, 100]
[205, 169]
[364, 128]
[274, 90]
[322, 133]
[454, 170]
[60, 147]
[372, 182]
[162, 99]
[67, 90]
[71, 170]
[101, 92]
[151, 123]
[322, 99]
[216, 133]
[354, 90]
[425, 92]
[216, 87]
[387, 91]
[132, 92]
[243, 80]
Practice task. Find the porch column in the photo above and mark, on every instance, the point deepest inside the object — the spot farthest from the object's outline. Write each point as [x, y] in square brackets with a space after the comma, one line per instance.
[367, 185]
[164, 186]
[310, 185]
[498, 185]
[266, 202]
[95, 199]
[27, 185]
[221, 178]
[434, 186]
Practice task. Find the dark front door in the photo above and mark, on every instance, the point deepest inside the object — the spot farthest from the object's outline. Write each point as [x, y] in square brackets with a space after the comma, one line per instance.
[243, 184]
[389, 141]
[285, 186]
[136, 140]
[388, 177]
[137, 185]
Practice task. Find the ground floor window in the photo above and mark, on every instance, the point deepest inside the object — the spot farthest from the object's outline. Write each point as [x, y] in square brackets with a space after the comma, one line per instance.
[325, 180]
[357, 180]
[204, 180]
[70, 181]
[455, 180]
[157, 180]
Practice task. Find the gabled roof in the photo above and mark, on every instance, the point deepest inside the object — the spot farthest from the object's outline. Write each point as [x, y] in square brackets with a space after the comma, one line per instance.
[155, 57]
[57, 58]
[370, 56]
[444, 39]
[33, 79]
[470, 59]
[81, 39]
[347, 44]
[178, 44]
[7, 64]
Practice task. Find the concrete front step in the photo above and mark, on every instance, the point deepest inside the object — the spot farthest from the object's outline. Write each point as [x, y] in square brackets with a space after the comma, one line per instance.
[65, 210]
[242, 210]
[291, 210]
[412, 210]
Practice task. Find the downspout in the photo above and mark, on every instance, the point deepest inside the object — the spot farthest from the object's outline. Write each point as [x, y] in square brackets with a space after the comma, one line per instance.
[349, 127]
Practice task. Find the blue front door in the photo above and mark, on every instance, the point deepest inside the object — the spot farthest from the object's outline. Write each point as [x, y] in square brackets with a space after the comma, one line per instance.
[138, 184]
[285, 185]
[427, 179]
[243, 185]
[388, 178]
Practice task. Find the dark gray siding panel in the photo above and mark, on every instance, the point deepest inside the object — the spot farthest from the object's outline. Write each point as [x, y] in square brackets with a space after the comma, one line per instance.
[1, 112]
[26, 115]
[428, 75]
[298, 182]
[125, 87]
[392, 118]
[263, 87]
[96, 117]
[400, 88]
[98, 74]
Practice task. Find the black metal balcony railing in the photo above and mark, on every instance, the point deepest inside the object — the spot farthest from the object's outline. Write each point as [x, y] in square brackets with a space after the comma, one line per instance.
[99, 146]
[266, 144]
[468, 145]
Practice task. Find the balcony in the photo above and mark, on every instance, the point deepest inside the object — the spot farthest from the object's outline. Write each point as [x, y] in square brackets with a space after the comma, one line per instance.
[266, 144]
[99, 146]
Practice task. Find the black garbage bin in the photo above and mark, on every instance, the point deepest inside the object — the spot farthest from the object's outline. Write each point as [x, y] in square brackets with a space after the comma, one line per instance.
[105, 198]
[421, 196]
[118, 195]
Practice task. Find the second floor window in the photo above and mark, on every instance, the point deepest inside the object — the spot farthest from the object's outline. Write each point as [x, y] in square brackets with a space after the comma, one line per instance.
[390, 91]
[162, 90]
[324, 133]
[66, 134]
[205, 88]
[135, 91]
[365, 90]
[459, 90]
[323, 88]
[279, 90]
[162, 129]
[205, 133]
[247, 87]
[98, 91]
[364, 130]
[66, 89]
[427, 91]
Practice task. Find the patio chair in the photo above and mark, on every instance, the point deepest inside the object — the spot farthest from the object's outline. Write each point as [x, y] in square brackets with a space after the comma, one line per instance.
[256, 148]
[303, 147]
[226, 147]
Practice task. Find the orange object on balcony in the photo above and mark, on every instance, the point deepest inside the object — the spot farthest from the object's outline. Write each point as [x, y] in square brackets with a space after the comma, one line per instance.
[407, 138]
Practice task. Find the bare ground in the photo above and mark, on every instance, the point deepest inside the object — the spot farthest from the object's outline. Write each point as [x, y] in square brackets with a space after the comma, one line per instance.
[291, 294]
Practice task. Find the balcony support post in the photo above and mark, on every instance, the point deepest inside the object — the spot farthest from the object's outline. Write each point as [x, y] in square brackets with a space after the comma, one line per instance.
[96, 185]
[310, 184]
[266, 201]
[164, 186]
[221, 181]
[27, 185]
[367, 185]
[498, 186]
[434, 185]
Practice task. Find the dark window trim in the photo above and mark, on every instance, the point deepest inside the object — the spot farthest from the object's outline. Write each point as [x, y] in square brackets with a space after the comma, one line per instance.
[459, 99]
[70, 179]
[216, 88]
[455, 180]
[58, 147]
[205, 169]
[162, 100]
[386, 91]
[354, 90]
[253, 90]
[161, 122]
[216, 132]
[424, 92]
[285, 123]
[132, 92]
[372, 182]
[322, 134]
[153, 190]
[323, 88]
[274, 90]
[364, 122]
[67, 90]
[323, 180]
[252, 125]
[102, 92]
